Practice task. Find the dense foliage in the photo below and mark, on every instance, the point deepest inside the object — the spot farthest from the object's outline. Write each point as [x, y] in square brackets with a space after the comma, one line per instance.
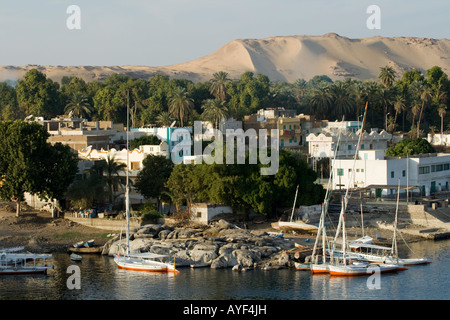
[411, 101]
[410, 147]
[243, 187]
[29, 164]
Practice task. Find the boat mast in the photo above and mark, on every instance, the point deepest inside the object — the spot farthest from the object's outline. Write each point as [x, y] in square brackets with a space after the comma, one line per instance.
[127, 196]
[295, 201]
[394, 240]
[349, 186]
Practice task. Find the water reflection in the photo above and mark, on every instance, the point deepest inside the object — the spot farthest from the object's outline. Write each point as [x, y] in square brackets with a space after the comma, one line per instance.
[101, 279]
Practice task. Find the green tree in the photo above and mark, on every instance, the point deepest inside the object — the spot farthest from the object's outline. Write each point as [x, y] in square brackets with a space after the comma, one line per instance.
[144, 140]
[165, 119]
[152, 178]
[180, 104]
[29, 164]
[218, 85]
[387, 76]
[214, 110]
[410, 147]
[78, 105]
[109, 169]
[38, 95]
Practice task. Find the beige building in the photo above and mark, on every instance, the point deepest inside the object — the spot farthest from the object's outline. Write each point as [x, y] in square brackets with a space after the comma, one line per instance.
[78, 133]
[289, 128]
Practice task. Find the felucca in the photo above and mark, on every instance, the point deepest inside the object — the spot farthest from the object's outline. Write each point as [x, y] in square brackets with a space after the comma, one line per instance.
[139, 261]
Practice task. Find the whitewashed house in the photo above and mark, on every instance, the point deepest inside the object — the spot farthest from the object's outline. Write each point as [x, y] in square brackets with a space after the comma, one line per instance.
[203, 212]
[323, 145]
[427, 173]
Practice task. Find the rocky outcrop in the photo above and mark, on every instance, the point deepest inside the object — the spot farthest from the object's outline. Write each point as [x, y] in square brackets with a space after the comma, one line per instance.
[222, 245]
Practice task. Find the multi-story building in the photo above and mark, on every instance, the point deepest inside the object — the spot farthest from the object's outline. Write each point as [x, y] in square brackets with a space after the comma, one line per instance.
[323, 145]
[426, 173]
[289, 127]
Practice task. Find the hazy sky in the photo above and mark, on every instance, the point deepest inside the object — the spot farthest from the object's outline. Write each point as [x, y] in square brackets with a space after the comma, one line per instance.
[164, 32]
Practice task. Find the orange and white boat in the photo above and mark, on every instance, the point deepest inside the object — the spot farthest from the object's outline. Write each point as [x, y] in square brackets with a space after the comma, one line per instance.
[139, 261]
[362, 269]
[144, 262]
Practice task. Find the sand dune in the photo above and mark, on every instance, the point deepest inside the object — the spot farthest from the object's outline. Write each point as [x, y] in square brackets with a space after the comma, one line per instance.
[286, 58]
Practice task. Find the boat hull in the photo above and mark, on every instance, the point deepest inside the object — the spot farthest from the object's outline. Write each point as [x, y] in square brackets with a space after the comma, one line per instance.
[144, 265]
[19, 271]
[362, 270]
[319, 269]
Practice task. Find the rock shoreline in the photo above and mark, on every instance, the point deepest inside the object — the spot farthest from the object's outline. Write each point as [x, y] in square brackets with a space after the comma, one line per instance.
[221, 245]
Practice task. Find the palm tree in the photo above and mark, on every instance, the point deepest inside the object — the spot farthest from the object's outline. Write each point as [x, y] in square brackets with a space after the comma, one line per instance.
[110, 171]
[399, 106]
[344, 101]
[320, 101]
[424, 95]
[165, 119]
[218, 85]
[442, 110]
[214, 110]
[180, 104]
[78, 105]
[359, 95]
[385, 99]
[387, 76]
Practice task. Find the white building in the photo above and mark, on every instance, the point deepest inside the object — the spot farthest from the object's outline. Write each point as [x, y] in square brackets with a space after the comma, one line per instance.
[89, 156]
[203, 212]
[323, 145]
[428, 173]
[172, 135]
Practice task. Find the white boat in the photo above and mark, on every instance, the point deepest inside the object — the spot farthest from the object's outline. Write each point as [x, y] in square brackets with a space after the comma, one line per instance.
[139, 261]
[361, 269]
[380, 254]
[24, 263]
[292, 225]
[75, 257]
[144, 262]
[341, 263]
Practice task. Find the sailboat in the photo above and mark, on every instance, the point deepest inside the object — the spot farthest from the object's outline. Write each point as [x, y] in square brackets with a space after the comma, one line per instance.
[146, 261]
[341, 264]
[379, 254]
[317, 267]
[294, 225]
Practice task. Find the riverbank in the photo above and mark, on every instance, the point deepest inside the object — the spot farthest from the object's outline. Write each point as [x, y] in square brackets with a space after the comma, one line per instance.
[37, 231]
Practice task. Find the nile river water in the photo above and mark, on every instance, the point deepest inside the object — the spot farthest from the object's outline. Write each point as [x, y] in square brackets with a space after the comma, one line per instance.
[101, 279]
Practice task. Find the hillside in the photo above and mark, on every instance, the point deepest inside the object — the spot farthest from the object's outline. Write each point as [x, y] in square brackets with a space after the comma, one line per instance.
[286, 58]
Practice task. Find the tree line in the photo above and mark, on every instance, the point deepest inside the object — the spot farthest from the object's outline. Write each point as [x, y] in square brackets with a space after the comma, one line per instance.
[411, 102]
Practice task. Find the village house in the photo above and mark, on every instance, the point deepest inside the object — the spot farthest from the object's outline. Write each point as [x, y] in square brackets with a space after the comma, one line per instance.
[423, 174]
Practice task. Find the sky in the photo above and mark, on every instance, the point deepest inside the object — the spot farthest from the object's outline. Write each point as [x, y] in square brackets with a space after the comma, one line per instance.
[165, 32]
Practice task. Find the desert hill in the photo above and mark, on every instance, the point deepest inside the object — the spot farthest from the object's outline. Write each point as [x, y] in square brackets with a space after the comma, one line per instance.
[284, 58]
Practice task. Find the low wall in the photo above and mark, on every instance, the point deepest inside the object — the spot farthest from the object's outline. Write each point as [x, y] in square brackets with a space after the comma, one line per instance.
[106, 224]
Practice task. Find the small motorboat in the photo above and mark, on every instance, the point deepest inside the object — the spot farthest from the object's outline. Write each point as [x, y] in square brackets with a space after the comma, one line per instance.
[75, 257]
[89, 243]
[79, 244]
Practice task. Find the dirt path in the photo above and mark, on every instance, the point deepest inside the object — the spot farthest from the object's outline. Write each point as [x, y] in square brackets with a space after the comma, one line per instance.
[37, 231]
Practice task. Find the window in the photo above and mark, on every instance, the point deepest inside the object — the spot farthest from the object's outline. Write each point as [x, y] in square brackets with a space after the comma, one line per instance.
[404, 173]
[446, 166]
[439, 167]
[424, 170]
[349, 147]
[392, 174]
[362, 146]
[135, 165]
[340, 172]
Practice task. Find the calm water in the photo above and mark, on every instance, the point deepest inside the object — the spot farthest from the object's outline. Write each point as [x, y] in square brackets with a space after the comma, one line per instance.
[101, 279]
